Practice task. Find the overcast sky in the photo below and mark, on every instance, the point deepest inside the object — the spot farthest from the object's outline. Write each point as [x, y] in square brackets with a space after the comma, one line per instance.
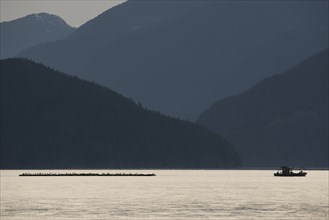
[74, 12]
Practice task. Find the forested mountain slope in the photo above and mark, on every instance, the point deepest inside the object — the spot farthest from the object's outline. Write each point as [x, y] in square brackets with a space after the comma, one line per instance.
[52, 120]
[282, 120]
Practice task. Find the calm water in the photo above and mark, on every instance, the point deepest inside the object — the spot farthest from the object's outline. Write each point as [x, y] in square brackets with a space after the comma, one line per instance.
[172, 194]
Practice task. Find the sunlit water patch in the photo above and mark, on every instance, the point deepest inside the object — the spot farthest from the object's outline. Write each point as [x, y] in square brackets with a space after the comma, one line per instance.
[172, 194]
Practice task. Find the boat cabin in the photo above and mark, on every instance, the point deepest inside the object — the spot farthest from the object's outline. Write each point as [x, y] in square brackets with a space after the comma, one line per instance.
[286, 170]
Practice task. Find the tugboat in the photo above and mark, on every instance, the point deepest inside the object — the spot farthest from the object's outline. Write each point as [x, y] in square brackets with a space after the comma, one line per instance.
[287, 171]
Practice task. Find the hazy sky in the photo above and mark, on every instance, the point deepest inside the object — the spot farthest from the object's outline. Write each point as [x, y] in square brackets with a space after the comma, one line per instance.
[74, 12]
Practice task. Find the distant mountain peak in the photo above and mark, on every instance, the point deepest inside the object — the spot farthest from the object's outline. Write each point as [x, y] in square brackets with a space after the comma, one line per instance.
[33, 29]
[50, 19]
[42, 17]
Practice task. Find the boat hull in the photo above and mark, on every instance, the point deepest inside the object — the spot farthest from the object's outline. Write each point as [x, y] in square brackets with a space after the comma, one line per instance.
[290, 174]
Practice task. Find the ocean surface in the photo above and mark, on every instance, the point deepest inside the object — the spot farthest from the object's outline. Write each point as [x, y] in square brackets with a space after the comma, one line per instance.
[172, 194]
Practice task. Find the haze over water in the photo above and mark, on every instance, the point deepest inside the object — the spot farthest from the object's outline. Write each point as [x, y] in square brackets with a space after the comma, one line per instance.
[172, 194]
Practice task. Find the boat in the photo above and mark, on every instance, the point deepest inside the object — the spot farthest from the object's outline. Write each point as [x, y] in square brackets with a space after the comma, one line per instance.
[287, 171]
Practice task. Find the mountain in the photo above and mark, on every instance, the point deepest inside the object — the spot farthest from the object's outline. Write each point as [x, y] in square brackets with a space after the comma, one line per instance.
[282, 120]
[31, 30]
[181, 63]
[53, 120]
[90, 38]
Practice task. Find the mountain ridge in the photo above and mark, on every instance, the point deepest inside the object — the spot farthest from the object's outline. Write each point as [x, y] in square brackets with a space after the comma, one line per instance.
[51, 120]
[33, 29]
[282, 119]
[202, 53]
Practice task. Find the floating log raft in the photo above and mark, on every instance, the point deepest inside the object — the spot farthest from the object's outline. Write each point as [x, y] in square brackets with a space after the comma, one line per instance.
[86, 174]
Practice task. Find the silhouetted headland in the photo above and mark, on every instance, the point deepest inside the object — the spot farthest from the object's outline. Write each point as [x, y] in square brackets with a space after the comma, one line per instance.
[87, 174]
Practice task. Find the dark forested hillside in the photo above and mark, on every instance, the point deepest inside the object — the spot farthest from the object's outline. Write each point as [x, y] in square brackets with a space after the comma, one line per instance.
[177, 57]
[31, 30]
[283, 120]
[52, 120]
